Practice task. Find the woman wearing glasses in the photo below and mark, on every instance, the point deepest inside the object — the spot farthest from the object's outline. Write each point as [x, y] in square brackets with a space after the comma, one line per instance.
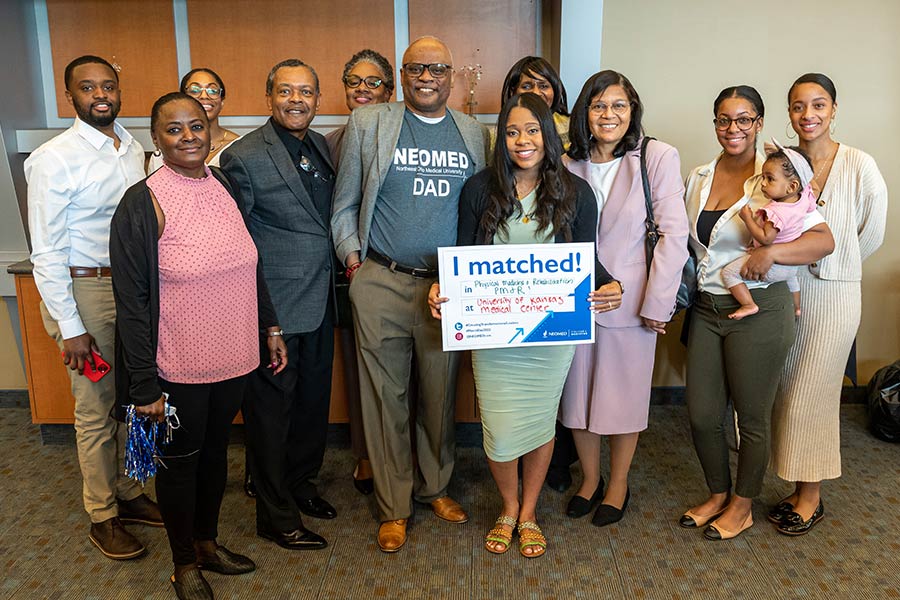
[368, 79]
[535, 75]
[852, 195]
[728, 358]
[206, 86]
[608, 388]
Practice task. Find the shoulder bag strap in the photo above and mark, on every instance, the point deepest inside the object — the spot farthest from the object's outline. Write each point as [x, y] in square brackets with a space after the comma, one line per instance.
[649, 222]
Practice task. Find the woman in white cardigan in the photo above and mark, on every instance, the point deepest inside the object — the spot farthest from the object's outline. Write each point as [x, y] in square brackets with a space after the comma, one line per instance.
[852, 196]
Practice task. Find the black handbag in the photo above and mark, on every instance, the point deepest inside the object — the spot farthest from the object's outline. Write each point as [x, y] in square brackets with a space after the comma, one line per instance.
[688, 288]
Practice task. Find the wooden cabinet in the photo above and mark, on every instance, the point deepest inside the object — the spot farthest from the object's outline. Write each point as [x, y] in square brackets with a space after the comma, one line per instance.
[48, 381]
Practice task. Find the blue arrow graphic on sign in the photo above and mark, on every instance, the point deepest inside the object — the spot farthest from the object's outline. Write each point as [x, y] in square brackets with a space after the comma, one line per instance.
[519, 331]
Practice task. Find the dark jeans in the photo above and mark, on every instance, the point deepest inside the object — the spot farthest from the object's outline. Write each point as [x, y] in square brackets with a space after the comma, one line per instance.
[743, 359]
[190, 485]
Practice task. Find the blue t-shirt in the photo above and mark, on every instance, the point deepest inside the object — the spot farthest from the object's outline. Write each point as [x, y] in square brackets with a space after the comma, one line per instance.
[418, 203]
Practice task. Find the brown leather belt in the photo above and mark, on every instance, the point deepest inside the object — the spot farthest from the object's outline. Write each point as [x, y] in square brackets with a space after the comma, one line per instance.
[90, 272]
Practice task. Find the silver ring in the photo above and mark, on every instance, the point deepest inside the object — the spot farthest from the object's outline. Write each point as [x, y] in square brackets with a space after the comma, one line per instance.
[610, 304]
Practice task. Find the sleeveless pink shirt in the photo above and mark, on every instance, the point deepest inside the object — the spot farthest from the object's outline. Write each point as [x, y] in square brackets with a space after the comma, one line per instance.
[208, 317]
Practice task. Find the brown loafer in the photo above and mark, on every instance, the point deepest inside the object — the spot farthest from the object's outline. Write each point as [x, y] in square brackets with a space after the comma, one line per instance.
[449, 509]
[114, 541]
[392, 535]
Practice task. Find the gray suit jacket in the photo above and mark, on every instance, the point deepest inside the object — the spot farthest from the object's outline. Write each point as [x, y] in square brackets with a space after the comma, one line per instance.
[294, 242]
[367, 151]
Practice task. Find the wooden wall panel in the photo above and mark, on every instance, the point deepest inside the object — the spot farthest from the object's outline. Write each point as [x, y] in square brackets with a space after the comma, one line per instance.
[242, 40]
[493, 34]
[140, 34]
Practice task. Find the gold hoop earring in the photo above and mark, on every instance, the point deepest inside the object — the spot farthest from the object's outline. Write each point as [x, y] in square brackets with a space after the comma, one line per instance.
[788, 130]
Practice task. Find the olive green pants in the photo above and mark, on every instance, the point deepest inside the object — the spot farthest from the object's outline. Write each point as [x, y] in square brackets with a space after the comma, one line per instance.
[741, 360]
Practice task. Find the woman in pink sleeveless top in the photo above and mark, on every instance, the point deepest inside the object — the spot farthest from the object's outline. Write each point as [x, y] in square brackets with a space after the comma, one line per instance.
[191, 305]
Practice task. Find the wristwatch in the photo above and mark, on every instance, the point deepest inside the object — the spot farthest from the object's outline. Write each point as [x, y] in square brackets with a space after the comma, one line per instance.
[278, 333]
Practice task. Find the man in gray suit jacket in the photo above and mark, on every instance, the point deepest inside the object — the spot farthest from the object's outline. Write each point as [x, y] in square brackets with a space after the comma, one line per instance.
[287, 180]
[396, 200]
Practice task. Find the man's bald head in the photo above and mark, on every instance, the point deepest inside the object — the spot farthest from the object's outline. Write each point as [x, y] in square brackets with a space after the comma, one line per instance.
[427, 76]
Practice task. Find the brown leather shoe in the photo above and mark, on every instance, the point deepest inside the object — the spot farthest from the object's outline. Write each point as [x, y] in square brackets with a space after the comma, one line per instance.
[392, 535]
[114, 541]
[449, 509]
[139, 511]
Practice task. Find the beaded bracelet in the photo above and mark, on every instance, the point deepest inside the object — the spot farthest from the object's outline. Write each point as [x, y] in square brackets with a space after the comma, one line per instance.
[352, 269]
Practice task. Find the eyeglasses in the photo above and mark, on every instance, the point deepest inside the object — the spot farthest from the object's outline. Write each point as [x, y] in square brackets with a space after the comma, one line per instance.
[618, 108]
[437, 70]
[308, 167]
[372, 82]
[743, 123]
[196, 90]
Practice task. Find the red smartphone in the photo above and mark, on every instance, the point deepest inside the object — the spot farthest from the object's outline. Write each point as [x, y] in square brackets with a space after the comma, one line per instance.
[101, 367]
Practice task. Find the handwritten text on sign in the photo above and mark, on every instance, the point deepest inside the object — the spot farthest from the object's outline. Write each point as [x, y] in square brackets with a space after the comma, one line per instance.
[506, 295]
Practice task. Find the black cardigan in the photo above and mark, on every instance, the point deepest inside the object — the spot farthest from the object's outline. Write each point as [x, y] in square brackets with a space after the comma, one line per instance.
[134, 259]
[474, 198]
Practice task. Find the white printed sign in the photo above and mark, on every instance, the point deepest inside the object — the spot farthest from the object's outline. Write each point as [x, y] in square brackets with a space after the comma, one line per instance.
[516, 295]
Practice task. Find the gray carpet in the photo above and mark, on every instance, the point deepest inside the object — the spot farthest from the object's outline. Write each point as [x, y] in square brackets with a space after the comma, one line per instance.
[853, 553]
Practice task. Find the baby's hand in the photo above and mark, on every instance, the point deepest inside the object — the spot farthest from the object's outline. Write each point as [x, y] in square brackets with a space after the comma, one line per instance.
[746, 213]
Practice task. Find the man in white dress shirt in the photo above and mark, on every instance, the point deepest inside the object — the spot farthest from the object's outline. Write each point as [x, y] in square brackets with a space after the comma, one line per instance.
[75, 182]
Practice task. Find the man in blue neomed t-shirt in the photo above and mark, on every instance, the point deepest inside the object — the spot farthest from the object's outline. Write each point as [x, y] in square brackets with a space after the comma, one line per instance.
[396, 201]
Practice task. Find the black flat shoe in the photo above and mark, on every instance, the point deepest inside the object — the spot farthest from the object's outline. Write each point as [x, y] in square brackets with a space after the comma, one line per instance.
[793, 523]
[559, 479]
[779, 512]
[192, 586]
[317, 507]
[579, 505]
[226, 562]
[607, 514]
[298, 539]
[249, 487]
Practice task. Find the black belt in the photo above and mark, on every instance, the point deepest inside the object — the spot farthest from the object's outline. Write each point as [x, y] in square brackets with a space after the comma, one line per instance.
[384, 261]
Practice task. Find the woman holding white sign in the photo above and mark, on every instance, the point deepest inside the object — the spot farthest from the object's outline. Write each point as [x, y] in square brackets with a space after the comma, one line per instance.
[525, 197]
[608, 390]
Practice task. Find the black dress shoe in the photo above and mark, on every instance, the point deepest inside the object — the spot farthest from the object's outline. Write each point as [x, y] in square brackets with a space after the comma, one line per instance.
[793, 523]
[579, 506]
[607, 514]
[298, 539]
[249, 486]
[364, 486]
[779, 512]
[192, 586]
[559, 479]
[226, 562]
[317, 507]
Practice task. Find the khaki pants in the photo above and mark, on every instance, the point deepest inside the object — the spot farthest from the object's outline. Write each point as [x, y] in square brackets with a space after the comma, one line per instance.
[392, 321]
[100, 438]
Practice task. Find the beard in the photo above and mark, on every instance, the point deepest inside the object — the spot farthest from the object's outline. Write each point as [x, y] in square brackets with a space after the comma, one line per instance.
[87, 115]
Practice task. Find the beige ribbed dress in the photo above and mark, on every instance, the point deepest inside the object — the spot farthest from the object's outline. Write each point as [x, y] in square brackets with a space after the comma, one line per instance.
[806, 416]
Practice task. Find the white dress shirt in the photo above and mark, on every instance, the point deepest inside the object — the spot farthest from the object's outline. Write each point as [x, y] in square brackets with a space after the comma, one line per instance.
[75, 183]
[730, 238]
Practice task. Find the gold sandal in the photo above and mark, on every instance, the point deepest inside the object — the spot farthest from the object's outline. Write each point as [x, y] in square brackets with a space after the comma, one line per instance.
[498, 535]
[530, 536]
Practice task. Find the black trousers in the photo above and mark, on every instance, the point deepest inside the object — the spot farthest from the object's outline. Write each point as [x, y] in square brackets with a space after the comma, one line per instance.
[191, 481]
[286, 417]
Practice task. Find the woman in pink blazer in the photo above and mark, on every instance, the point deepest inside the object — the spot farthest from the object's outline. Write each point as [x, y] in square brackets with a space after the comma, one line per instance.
[608, 388]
